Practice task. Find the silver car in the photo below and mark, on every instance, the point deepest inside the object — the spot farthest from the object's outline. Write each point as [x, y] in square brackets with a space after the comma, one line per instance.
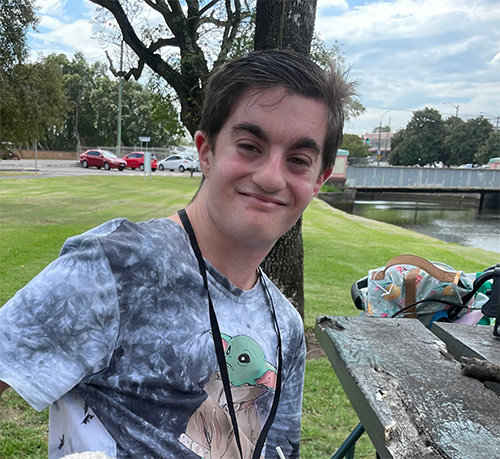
[177, 163]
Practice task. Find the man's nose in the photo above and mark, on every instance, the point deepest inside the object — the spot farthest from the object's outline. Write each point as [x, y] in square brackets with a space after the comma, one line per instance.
[270, 174]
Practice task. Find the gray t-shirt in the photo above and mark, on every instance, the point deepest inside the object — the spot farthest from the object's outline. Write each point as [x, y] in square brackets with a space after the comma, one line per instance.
[115, 335]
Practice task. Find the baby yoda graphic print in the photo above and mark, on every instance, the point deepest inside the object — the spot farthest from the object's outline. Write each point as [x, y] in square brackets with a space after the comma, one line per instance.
[209, 432]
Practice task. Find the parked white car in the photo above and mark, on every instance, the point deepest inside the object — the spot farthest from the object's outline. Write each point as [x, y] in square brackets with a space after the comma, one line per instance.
[177, 163]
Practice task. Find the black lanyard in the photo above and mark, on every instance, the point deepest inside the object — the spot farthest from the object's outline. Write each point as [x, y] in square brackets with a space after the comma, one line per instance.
[220, 351]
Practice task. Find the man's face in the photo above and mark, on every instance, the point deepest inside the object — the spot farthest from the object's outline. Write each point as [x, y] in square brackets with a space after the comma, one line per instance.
[266, 165]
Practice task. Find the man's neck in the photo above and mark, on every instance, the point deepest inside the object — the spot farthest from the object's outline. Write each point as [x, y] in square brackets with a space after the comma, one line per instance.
[237, 263]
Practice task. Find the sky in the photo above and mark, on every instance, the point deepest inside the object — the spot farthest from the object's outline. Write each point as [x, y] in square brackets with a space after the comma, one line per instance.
[405, 54]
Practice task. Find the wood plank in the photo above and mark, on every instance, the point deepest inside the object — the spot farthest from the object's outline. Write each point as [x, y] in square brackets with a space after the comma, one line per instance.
[472, 341]
[408, 391]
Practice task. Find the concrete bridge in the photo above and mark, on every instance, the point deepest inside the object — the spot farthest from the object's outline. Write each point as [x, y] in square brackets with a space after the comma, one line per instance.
[394, 178]
[463, 188]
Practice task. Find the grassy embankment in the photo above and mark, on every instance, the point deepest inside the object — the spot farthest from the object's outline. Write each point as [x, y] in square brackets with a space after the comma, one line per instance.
[39, 214]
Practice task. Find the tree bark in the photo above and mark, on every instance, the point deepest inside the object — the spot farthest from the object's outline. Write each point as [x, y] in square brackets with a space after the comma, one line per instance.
[284, 265]
[286, 24]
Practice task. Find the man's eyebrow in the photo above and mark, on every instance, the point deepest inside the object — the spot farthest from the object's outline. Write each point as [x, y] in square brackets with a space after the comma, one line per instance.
[253, 129]
[301, 143]
[306, 143]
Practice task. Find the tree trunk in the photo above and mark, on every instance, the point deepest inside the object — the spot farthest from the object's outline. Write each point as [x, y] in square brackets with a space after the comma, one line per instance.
[286, 24]
[284, 265]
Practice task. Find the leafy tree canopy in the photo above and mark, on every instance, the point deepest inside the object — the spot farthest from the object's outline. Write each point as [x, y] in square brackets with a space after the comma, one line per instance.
[19, 86]
[421, 142]
[427, 139]
[33, 102]
[16, 17]
[489, 149]
[462, 140]
[93, 107]
[355, 145]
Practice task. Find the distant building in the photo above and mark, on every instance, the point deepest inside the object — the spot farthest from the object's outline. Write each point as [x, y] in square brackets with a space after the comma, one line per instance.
[373, 139]
[494, 163]
[340, 167]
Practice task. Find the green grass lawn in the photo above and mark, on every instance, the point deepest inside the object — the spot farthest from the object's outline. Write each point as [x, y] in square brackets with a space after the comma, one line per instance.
[38, 215]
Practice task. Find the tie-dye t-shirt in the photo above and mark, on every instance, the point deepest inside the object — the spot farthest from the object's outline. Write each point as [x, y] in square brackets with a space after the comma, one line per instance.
[115, 336]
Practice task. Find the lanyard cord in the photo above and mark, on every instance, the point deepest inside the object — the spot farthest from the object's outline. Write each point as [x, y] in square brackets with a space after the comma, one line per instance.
[219, 351]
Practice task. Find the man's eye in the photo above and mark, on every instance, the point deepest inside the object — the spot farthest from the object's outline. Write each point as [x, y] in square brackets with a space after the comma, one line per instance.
[248, 147]
[300, 161]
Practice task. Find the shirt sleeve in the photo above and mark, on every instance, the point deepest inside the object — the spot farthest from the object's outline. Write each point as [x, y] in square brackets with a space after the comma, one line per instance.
[285, 431]
[61, 326]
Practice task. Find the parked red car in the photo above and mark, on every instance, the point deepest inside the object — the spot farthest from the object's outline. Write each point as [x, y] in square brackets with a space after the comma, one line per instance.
[135, 160]
[101, 158]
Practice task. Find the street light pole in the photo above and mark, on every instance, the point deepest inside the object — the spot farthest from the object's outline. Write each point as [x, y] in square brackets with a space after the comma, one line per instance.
[453, 105]
[379, 155]
[120, 89]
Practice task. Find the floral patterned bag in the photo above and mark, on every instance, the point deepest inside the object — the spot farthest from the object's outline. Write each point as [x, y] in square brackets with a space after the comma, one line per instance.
[411, 286]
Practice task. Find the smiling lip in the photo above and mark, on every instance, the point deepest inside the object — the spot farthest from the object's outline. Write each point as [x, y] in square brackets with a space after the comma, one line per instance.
[267, 200]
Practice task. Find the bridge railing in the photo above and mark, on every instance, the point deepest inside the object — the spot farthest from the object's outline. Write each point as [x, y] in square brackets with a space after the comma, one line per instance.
[422, 178]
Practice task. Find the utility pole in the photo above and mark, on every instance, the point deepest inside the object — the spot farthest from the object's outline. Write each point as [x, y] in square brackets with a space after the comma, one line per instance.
[120, 89]
[387, 135]
[492, 117]
[453, 105]
[379, 149]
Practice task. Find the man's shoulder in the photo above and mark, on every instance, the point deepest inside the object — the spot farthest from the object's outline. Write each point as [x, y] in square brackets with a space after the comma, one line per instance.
[123, 232]
[121, 227]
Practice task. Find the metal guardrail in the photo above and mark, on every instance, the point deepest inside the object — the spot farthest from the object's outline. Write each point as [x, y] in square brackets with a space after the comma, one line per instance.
[421, 178]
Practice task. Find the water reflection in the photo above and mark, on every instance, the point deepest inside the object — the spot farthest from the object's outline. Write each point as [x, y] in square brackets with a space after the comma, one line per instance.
[462, 226]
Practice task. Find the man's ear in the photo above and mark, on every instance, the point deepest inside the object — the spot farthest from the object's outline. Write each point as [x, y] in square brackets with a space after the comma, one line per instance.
[322, 178]
[204, 151]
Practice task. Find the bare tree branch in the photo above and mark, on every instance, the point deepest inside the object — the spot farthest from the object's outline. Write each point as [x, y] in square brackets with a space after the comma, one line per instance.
[153, 60]
[135, 71]
[188, 74]
[208, 6]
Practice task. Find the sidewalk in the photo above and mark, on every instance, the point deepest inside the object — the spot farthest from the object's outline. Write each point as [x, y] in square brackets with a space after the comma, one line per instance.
[32, 165]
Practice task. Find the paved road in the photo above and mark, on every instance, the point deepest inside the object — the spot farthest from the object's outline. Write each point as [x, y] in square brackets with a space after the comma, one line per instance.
[59, 168]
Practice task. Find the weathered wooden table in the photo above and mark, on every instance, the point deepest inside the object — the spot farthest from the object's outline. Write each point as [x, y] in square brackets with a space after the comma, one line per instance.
[408, 390]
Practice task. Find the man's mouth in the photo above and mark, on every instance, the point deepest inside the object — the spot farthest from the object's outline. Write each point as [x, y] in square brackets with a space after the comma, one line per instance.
[264, 199]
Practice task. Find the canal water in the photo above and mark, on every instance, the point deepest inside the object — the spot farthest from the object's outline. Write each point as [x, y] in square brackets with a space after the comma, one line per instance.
[463, 226]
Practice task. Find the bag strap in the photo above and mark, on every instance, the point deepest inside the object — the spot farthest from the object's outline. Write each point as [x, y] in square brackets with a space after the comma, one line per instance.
[422, 263]
[411, 293]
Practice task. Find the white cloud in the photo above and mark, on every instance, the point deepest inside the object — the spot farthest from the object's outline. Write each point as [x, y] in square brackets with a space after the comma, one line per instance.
[50, 7]
[66, 37]
[405, 19]
[342, 4]
[409, 54]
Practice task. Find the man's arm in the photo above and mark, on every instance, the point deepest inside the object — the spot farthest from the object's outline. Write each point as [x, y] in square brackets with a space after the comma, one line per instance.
[3, 386]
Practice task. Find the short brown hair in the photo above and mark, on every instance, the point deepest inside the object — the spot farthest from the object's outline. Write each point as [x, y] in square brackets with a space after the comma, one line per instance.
[277, 68]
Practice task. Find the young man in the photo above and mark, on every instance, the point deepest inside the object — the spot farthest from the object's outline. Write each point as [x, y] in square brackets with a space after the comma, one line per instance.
[125, 341]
